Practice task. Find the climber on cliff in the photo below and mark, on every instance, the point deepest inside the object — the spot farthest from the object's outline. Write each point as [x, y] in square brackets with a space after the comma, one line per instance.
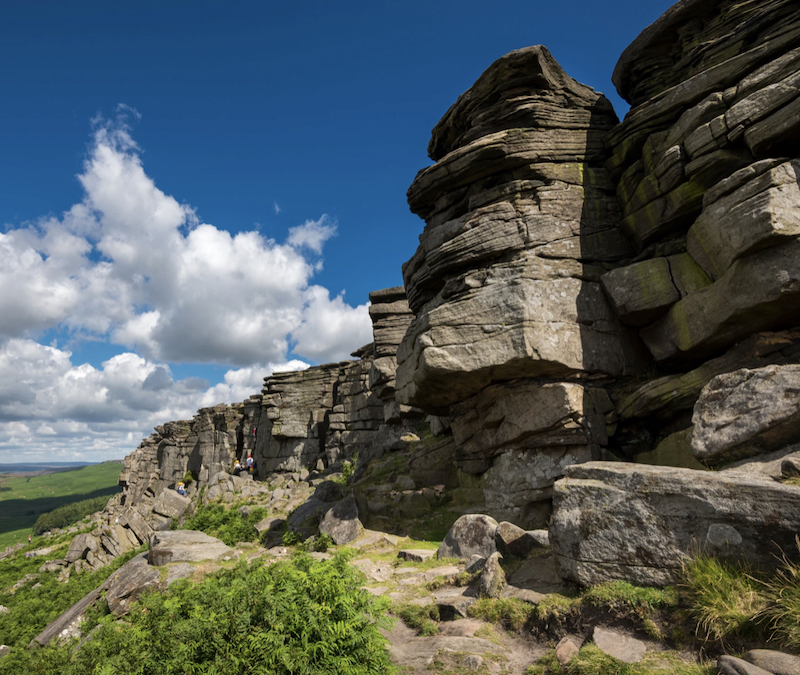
[250, 463]
[237, 467]
[181, 489]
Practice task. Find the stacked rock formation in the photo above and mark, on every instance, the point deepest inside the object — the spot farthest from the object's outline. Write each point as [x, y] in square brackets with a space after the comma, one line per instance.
[707, 181]
[706, 170]
[705, 177]
[317, 417]
[390, 316]
[582, 288]
[301, 420]
[204, 445]
[513, 336]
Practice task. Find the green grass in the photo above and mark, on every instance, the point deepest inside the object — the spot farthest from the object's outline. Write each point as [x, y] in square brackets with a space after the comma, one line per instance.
[510, 613]
[30, 497]
[31, 609]
[591, 661]
[226, 524]
[422, 618]
[725, 600]
[783, 611]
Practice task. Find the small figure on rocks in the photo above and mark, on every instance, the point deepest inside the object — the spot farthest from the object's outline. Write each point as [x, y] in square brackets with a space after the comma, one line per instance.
[250, 463]
[237, 467]
[181, 489]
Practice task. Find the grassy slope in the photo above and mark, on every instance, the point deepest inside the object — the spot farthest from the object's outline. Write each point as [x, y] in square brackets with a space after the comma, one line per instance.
[30, 497]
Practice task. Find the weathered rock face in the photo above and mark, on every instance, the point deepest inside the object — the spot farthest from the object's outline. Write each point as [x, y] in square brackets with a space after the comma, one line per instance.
[519, 216]
[185, 546]
[390, 316]
[521, 223]
[334, 411]
[204, 445]
[747, 412]
[639, 523]
[291, 429]
[323, 414]
[705, 177]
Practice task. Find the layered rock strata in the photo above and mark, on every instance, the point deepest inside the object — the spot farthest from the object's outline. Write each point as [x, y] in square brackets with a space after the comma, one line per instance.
[521, 223]
[390, 316]
[706, 178]
[204, 445]
[319, 416]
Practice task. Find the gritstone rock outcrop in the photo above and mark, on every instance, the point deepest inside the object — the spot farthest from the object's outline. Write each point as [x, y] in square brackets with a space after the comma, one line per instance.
[583, 290]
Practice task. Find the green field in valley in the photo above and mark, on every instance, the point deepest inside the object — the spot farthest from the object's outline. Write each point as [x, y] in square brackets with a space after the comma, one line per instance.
[31, 496]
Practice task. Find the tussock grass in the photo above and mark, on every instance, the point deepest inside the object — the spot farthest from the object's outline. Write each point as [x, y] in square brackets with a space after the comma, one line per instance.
[422, 618]
[724, 598]
[618, 599]
[783, 611]
[591, 661]
[510, 613]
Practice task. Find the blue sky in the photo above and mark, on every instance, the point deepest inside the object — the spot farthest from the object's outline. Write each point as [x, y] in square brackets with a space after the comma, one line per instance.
[196, 193]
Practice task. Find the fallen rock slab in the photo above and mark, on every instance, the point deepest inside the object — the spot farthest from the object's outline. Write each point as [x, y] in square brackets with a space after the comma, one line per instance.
[185, 546]
[128, 583]
[341, 521]
[453, 603]
[730, 665]
[170, 504]
[416, 554]
[640, 523]
[619, 645]
[747, 412]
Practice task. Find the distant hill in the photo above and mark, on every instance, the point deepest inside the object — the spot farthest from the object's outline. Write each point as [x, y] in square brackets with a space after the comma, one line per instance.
[29, 490]
[41, 468]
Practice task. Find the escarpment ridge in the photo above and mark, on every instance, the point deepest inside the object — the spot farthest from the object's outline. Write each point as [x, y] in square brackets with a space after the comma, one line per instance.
[584, 291]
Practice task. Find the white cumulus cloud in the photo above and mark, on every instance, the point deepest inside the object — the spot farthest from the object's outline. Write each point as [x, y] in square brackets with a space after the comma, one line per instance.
[331, 329]
[132, 266]
[312, 234]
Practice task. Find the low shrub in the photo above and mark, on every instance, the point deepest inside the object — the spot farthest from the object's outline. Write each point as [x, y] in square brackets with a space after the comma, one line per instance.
[297, 616]
[230, 525]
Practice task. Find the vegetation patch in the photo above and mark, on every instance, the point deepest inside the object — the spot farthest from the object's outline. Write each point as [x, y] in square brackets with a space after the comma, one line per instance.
[229, 525]
[510, 613]
[725, 599]
[422, 618]
[296, 616]
[783, 610]
[32, 609]
[592, 661]
[69, 514]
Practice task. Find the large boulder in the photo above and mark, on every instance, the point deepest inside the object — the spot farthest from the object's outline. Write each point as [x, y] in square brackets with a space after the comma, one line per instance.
[129, 581]
[185, 546]
[341, 521]
[170, 504]
[640, 523]
[747, 412]
[81, 545]
[471, 534]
